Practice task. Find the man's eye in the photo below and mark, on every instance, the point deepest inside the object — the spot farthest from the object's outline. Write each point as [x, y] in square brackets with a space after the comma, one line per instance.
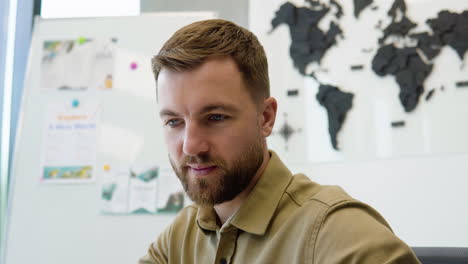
[173, 122]
[217, 117]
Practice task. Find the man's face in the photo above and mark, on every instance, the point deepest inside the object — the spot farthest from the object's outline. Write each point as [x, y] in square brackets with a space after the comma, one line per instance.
[212, 130]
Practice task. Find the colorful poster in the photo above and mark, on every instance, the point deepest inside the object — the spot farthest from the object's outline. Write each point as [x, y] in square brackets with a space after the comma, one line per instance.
[82, 64]
[70, 137]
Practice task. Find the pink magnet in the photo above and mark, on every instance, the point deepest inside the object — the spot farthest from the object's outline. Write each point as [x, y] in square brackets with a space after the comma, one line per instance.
[133, 66]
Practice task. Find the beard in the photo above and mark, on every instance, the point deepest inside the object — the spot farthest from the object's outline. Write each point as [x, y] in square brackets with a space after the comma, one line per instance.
[225, 182]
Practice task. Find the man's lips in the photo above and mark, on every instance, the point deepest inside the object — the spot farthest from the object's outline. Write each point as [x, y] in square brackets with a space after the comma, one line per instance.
[201, 169]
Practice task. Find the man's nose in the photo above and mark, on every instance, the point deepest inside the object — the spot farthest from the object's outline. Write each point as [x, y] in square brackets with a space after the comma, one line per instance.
[195, 141]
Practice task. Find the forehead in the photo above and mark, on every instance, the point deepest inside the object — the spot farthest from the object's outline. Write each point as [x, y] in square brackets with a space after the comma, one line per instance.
[217, 80]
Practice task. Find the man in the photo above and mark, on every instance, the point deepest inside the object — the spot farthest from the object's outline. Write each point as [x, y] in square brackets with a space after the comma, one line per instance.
[213, 90]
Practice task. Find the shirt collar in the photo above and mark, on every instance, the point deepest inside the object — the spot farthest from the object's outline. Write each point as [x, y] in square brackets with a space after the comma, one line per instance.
[257, 210]
[206, 218]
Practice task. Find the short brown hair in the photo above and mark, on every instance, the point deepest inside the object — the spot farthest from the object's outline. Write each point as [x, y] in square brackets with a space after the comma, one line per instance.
[191, 45]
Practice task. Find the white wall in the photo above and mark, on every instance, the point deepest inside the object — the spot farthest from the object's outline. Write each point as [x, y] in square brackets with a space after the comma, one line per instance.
[236, 11]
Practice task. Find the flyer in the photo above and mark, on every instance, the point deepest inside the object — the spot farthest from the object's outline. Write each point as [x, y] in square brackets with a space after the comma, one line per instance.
[143, 190]
[69, 144]
[171, 195]
[81, 64]
[114, 191]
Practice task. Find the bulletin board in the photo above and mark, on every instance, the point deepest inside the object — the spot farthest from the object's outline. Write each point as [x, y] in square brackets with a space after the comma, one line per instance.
[88, 126]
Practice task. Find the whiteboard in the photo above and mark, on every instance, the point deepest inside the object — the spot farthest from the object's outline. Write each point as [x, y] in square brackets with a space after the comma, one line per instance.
[62, 223]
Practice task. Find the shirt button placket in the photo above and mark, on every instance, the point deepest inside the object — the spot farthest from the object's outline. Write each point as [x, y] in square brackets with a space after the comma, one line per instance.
[226, 245]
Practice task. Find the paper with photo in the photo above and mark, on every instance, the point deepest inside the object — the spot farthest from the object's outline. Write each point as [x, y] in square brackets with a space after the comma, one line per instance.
[171, 195]
[114, 191]
[143, 190]
[69, 144]
[82, 64]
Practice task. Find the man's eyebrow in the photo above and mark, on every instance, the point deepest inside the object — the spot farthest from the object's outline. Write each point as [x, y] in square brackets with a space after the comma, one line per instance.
[208, 108]
[222, 107]
[167, 112]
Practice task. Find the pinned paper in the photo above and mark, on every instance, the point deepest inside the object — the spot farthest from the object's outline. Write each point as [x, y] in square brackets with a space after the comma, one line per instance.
[114, 190]
[70, 137]
[77, 65]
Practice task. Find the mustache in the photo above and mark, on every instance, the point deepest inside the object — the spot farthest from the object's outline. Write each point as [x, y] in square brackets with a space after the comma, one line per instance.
[202, 159]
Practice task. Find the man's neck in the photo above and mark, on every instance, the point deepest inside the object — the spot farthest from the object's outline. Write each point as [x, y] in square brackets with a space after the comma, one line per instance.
[227, 209]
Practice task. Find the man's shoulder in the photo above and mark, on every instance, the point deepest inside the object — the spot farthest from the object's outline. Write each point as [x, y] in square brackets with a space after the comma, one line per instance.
[304, 191]
[187, 213]
[185, 219]
[325, 200]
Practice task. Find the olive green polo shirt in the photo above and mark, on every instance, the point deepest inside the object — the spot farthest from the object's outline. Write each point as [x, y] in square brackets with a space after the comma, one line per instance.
[285, 219]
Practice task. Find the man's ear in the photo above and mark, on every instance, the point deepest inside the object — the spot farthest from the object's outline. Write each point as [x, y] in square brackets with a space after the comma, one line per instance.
[269, 109]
